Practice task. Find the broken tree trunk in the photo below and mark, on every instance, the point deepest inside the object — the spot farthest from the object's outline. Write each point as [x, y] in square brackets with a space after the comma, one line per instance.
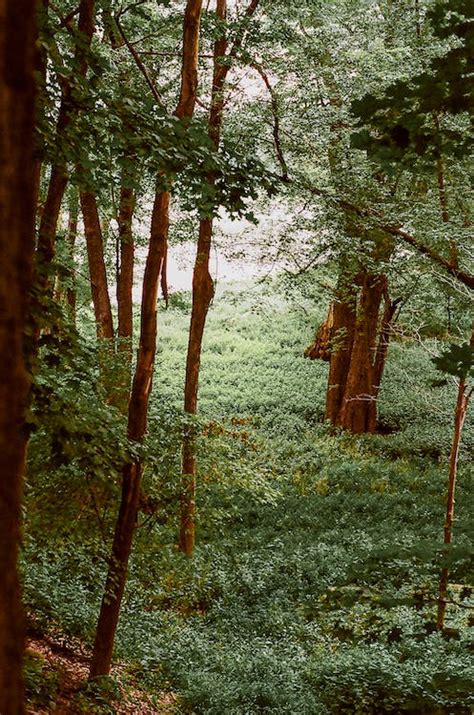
[358, 409]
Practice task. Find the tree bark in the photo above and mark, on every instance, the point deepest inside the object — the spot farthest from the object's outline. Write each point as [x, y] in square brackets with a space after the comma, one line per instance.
[384, 342]
[342, 340]
[203, 286]
[17, 196]
[462, 404]
[203, 292]
[320, 349]
[125, 291]
[142, 382]
[97, 268]
[359, 408]
[71, 294]
[59, 176]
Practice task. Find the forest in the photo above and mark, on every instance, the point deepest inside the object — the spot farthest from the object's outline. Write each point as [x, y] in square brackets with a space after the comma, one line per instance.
[236, 357]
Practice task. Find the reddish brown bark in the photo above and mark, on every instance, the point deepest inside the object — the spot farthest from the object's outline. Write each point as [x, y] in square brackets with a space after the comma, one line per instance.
[342, 340]
[126, 249]
[384, 341]
[97, 268]
[17, 195]
[358, 410]
[320, 349]
[203, 292]
[59, 178]
[462, 404]
[142, 382]
[203, 286]
[71, 295]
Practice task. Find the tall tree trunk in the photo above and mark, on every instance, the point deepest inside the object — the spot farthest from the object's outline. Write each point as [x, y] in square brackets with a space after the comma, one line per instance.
[100, 293]
[342, 340]
[126, 249]
[17, 196]
[203, 292]
[203, 286]
[97, 268]
[358, 410]
[142, 382]
[40, 69]
[71, 295]
[59, 177]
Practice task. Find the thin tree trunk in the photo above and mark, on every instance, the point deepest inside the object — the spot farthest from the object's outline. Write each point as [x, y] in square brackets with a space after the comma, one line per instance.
[203, 286]
[203, 292]
[359, 408]
[59, 177]
[142, 382]
[17, 195]
[40, 69]
[125, 291]
[383, 345]
[97, 268]
[462, 404]
[71, 295]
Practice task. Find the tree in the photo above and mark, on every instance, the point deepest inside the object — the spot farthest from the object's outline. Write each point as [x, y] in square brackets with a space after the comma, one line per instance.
[459, 362]
[17, 197]
[59, 171]
[203, 288]
[143, 377]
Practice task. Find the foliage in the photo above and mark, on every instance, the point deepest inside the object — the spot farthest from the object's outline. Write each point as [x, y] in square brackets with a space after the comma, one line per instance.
[314, 580]
[456, 360]
[41, 681]
[404, 115]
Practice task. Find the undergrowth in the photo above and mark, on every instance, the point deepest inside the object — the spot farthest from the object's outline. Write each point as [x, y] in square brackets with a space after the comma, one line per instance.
[313, 585]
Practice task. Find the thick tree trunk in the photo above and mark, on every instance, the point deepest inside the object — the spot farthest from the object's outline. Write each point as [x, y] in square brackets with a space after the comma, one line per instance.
[342, 340]
[17, 195]
[142, 382]
[359, 408]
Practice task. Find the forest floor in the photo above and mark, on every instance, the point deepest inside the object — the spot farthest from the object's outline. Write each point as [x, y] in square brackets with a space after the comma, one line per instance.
[312, 590]
[65, 663]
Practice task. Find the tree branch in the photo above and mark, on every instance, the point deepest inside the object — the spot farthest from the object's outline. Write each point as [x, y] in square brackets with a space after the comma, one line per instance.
[139, 62]
[462, 276]
[276, 122]
[250, 10]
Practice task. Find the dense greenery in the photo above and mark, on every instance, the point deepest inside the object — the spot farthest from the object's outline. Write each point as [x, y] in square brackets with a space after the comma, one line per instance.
[250, 495]
[313, 585]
